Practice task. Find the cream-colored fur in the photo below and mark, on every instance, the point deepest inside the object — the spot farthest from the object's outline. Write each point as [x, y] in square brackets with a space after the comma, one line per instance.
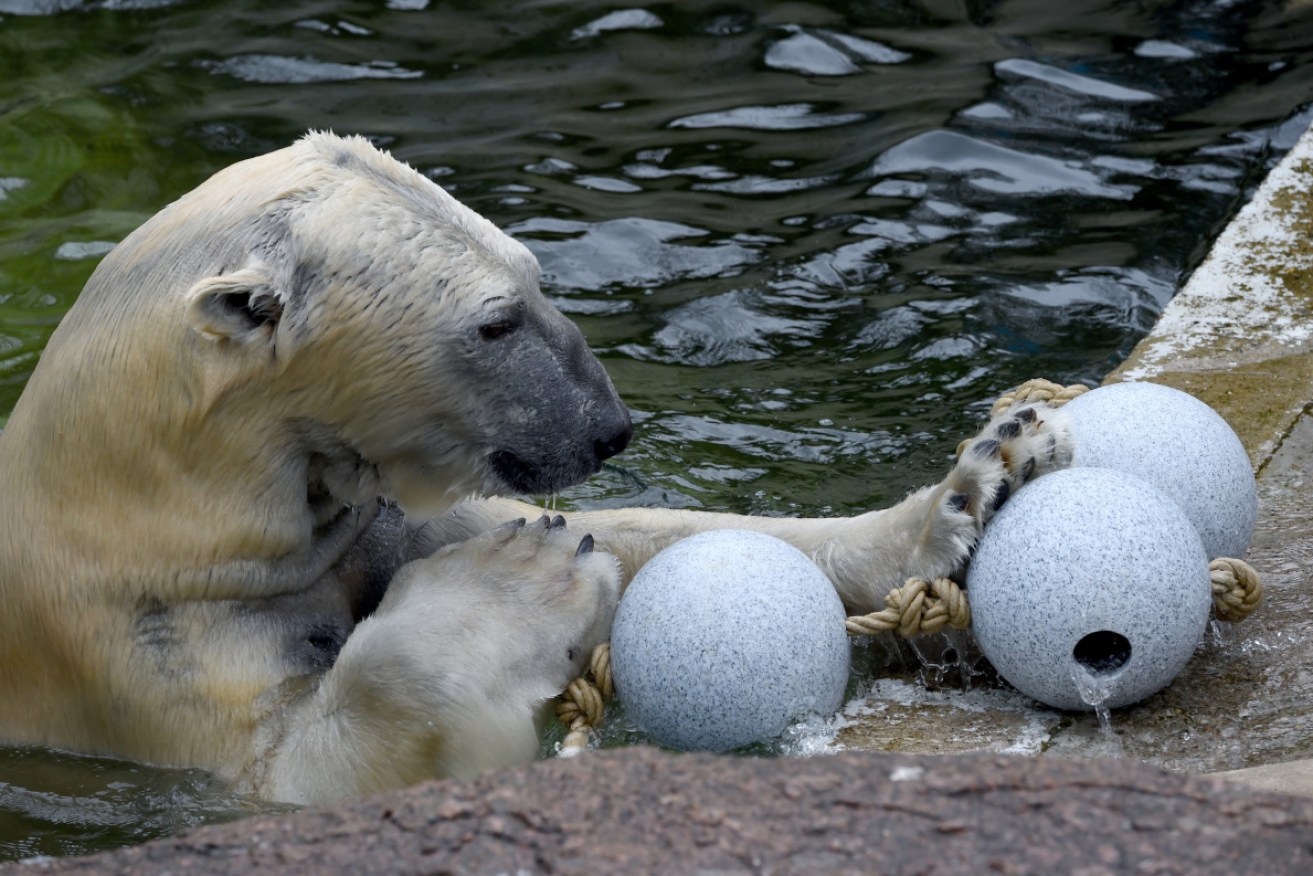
[930, 533]
[203, 557]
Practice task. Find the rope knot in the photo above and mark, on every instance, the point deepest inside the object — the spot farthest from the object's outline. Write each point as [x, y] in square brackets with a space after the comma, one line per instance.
[583, 704]
[1237, 588]
[918, 607]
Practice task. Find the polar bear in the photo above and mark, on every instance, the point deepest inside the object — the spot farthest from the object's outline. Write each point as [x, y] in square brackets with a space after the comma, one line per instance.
[238, 531]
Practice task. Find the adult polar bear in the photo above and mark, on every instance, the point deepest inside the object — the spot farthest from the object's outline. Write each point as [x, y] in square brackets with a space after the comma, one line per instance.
[198, 566]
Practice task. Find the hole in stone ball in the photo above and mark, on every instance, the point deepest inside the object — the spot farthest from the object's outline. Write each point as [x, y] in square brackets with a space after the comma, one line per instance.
[1102, 652]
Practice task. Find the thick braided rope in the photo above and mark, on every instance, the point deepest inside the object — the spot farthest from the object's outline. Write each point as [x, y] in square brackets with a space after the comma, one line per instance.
[1038, 390]
[583, 704]
[919, 606]
[1237, 589]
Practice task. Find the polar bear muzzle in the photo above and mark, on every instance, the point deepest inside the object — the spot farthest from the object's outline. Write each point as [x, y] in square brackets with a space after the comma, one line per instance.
[573, 418]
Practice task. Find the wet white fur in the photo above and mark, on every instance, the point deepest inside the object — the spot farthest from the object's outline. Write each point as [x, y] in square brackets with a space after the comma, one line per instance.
[925, 535]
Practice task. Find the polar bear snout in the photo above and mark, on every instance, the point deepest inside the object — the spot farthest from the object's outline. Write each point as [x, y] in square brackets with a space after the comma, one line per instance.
[557, 470]
[605, 448]
[569, 418]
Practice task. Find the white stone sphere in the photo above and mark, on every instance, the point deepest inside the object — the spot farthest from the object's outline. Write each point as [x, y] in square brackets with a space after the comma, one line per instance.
[1088, 576]
[1180, 445]
[724, 638]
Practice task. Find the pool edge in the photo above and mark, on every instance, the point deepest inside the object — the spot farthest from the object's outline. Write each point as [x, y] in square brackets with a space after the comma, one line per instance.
[1239, 334]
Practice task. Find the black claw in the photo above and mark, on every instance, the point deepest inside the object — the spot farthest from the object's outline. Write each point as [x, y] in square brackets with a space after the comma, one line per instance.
[1004, 491]
[1052, 447]
[1028, 470]
[986, 448]
[1007, 430]
[585, 546]
[1025, 415]
[959, 501]
[558, 522]
[543, 521]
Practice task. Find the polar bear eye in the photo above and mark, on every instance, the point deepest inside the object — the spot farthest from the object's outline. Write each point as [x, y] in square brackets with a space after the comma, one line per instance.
[494, 330]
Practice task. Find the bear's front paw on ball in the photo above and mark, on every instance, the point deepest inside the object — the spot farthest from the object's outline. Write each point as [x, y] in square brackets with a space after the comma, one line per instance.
[1019, 445]
[538, 595]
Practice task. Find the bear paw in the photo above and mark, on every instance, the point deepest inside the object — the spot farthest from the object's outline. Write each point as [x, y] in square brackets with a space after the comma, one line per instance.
[537, 584]
[1021, 444]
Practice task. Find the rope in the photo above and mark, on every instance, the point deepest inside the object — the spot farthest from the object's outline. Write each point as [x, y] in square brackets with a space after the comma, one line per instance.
[1237, 589]
[583, 704]
[919, 606]
[1038, 390]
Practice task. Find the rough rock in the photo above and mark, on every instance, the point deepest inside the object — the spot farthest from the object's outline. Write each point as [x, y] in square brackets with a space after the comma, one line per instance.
[642, 811]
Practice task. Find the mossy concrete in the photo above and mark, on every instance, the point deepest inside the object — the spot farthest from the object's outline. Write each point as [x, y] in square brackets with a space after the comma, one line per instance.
[1239, 336]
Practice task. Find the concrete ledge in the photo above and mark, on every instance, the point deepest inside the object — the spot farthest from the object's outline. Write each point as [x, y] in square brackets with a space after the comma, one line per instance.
[1239, 336]
[640, 811]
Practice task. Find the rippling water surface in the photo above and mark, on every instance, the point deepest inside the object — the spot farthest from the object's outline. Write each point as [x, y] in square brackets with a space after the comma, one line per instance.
[809, 240]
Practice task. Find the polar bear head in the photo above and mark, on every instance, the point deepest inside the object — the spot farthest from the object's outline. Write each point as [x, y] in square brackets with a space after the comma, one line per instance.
[329, 296]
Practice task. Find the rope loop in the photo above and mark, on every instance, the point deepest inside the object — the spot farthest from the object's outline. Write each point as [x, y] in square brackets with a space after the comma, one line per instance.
[1237, 588]
[1038, 390]
[583, 705]
[918, 607]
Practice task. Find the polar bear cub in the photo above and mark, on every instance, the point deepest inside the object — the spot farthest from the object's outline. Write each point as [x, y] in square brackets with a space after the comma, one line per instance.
[238, 532]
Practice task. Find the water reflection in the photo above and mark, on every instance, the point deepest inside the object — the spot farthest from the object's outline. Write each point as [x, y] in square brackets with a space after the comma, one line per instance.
[52, 803]
[827, 53]
[276, 69]
[629, 252]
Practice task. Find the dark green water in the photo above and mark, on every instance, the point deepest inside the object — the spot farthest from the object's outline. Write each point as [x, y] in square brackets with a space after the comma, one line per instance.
[809, 240]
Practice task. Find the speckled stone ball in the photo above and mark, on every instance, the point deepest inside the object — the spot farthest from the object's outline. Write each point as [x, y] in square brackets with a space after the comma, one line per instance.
[724, 638]
[1180, 445]
[1089, 578]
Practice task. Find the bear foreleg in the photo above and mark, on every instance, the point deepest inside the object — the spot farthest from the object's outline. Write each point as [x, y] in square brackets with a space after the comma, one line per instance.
[930, 533]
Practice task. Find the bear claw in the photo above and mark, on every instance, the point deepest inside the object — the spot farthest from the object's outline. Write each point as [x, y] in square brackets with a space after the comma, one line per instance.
[1001, 495]
[1008, 430]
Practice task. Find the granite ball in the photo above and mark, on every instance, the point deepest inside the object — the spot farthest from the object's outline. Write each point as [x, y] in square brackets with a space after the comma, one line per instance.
[725, 638]
[1180, 445]
[1089, 588]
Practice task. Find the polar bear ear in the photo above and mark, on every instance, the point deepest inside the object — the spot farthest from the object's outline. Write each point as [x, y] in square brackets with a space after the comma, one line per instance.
[241, 306]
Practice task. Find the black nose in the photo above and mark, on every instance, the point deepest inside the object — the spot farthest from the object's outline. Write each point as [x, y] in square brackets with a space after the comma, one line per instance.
[609, 447]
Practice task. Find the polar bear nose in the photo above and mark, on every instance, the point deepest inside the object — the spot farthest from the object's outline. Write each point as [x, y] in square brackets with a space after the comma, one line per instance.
[609, 447]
